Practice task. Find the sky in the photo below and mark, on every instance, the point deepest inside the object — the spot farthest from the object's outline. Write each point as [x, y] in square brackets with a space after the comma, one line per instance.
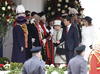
[92, 9]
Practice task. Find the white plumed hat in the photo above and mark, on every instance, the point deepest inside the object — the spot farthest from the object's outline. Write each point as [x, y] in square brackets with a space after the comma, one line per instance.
[20, 9]
[57, 22]
[72, 11]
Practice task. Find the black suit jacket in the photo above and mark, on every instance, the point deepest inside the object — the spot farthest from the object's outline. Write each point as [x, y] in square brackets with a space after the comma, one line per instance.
[33, 33]
[71, 38]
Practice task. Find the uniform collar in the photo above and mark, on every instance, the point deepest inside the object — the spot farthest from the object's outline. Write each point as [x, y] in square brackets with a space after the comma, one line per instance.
[79, 56]
[36, 57]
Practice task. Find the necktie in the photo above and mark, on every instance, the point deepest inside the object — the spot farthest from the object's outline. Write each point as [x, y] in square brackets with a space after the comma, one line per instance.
[66, 29]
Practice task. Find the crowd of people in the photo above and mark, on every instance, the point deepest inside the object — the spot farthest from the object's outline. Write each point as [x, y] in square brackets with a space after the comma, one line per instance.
[58, 37]
[32, 29]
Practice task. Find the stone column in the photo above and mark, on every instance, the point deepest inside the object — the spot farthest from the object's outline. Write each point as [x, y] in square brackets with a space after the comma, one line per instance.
[17, 2]
[8, 43]
[1, 47]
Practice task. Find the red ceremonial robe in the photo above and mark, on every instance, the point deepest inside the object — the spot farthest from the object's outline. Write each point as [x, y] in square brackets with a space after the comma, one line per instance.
[48, 45]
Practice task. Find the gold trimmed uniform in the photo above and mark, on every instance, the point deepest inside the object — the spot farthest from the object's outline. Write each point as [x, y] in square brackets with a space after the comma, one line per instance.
[94, 62]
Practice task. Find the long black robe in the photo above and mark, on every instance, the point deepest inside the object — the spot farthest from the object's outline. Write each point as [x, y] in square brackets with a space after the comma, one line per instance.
[18, 42]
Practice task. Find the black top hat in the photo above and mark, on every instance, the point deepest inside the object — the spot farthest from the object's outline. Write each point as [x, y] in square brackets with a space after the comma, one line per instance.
[21, 20]
[36, 49]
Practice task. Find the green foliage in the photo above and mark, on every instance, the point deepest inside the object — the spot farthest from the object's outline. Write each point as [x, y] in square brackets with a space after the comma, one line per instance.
[16, 71]
[15, 68]
[60, 71]
[2, 69]
[4, 60]
[51, 69]
[7, 16]
[3, 30]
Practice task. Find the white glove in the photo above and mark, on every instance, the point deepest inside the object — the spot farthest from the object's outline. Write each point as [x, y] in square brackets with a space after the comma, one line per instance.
[22, 49]
[44, 41]
[32, 21]
[33, 40]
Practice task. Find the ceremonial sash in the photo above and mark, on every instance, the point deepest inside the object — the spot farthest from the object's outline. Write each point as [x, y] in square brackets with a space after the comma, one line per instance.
[48, 45]
[42, 25]
[39, 33]
[25, 30]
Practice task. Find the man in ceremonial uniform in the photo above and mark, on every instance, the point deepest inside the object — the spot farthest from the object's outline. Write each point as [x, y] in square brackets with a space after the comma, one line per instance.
[78, 65]
[35, 65]
[94, 59]
[35, 30]
[46, 40]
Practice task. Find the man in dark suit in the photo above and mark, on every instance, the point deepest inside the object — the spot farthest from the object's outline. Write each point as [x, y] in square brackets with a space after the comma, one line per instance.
[33, 30]
[78, 65]
[70, 36]
[34, 65]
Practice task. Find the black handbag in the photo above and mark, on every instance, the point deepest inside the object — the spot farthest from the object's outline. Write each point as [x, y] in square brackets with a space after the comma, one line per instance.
[60, 50]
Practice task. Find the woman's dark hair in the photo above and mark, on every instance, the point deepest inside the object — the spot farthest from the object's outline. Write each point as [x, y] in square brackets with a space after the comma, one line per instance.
[89, 20]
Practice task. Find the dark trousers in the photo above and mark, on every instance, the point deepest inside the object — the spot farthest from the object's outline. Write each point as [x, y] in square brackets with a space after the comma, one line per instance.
[69, 55]
[28, 53]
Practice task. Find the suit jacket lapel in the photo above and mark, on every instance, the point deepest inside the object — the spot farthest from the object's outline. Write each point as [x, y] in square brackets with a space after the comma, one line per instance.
[70, 29]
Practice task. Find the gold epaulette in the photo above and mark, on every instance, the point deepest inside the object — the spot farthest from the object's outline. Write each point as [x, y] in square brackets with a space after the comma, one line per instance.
[98, 68]
[96, 53]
